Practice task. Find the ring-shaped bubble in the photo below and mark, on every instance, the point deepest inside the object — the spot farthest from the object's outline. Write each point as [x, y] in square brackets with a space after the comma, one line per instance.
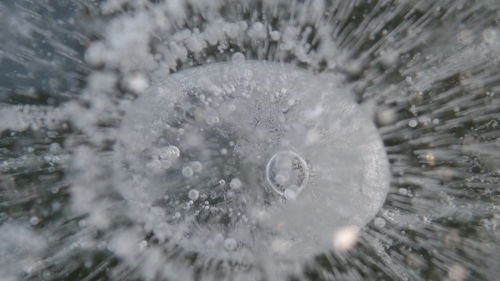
[291, 190]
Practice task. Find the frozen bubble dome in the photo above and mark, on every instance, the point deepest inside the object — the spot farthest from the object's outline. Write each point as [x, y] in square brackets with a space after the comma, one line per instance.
[246, 160]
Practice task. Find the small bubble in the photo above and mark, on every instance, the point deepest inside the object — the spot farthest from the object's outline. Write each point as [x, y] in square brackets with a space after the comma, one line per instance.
[413, 123]
[345, 238]
[414, 261]
[230, 244]
[196, 166]
[275, 35]
[82, 223]
[55, 148]
[238, 57]
[212, 119]
[34, 220]
[136, 82]
[257, 31]
[170, 153]
[157, 165]
[143, 245]
[193, 194]
[280, 245]
[87, 264]
[287, 169]
[222, 182]
[187, 172]
[452, 240]
[490, 36]
[281, 178]
[456, 272]
[465, 37]
[386, 116]
[290, 194]
[379, 222]
[235, 183]
[390, 58]
[56, 206]
[430, 158]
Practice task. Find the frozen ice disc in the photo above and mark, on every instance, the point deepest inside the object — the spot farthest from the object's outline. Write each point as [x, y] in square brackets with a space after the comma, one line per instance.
[301, 160]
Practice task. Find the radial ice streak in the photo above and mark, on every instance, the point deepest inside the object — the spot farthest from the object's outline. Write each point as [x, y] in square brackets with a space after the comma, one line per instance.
[266, 155]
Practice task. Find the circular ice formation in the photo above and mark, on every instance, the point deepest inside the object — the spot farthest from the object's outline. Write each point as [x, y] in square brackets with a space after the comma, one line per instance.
[236, 159]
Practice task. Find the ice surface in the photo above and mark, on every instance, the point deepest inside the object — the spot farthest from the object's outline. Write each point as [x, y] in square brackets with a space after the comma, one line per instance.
[84, 198]
[337, 175]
